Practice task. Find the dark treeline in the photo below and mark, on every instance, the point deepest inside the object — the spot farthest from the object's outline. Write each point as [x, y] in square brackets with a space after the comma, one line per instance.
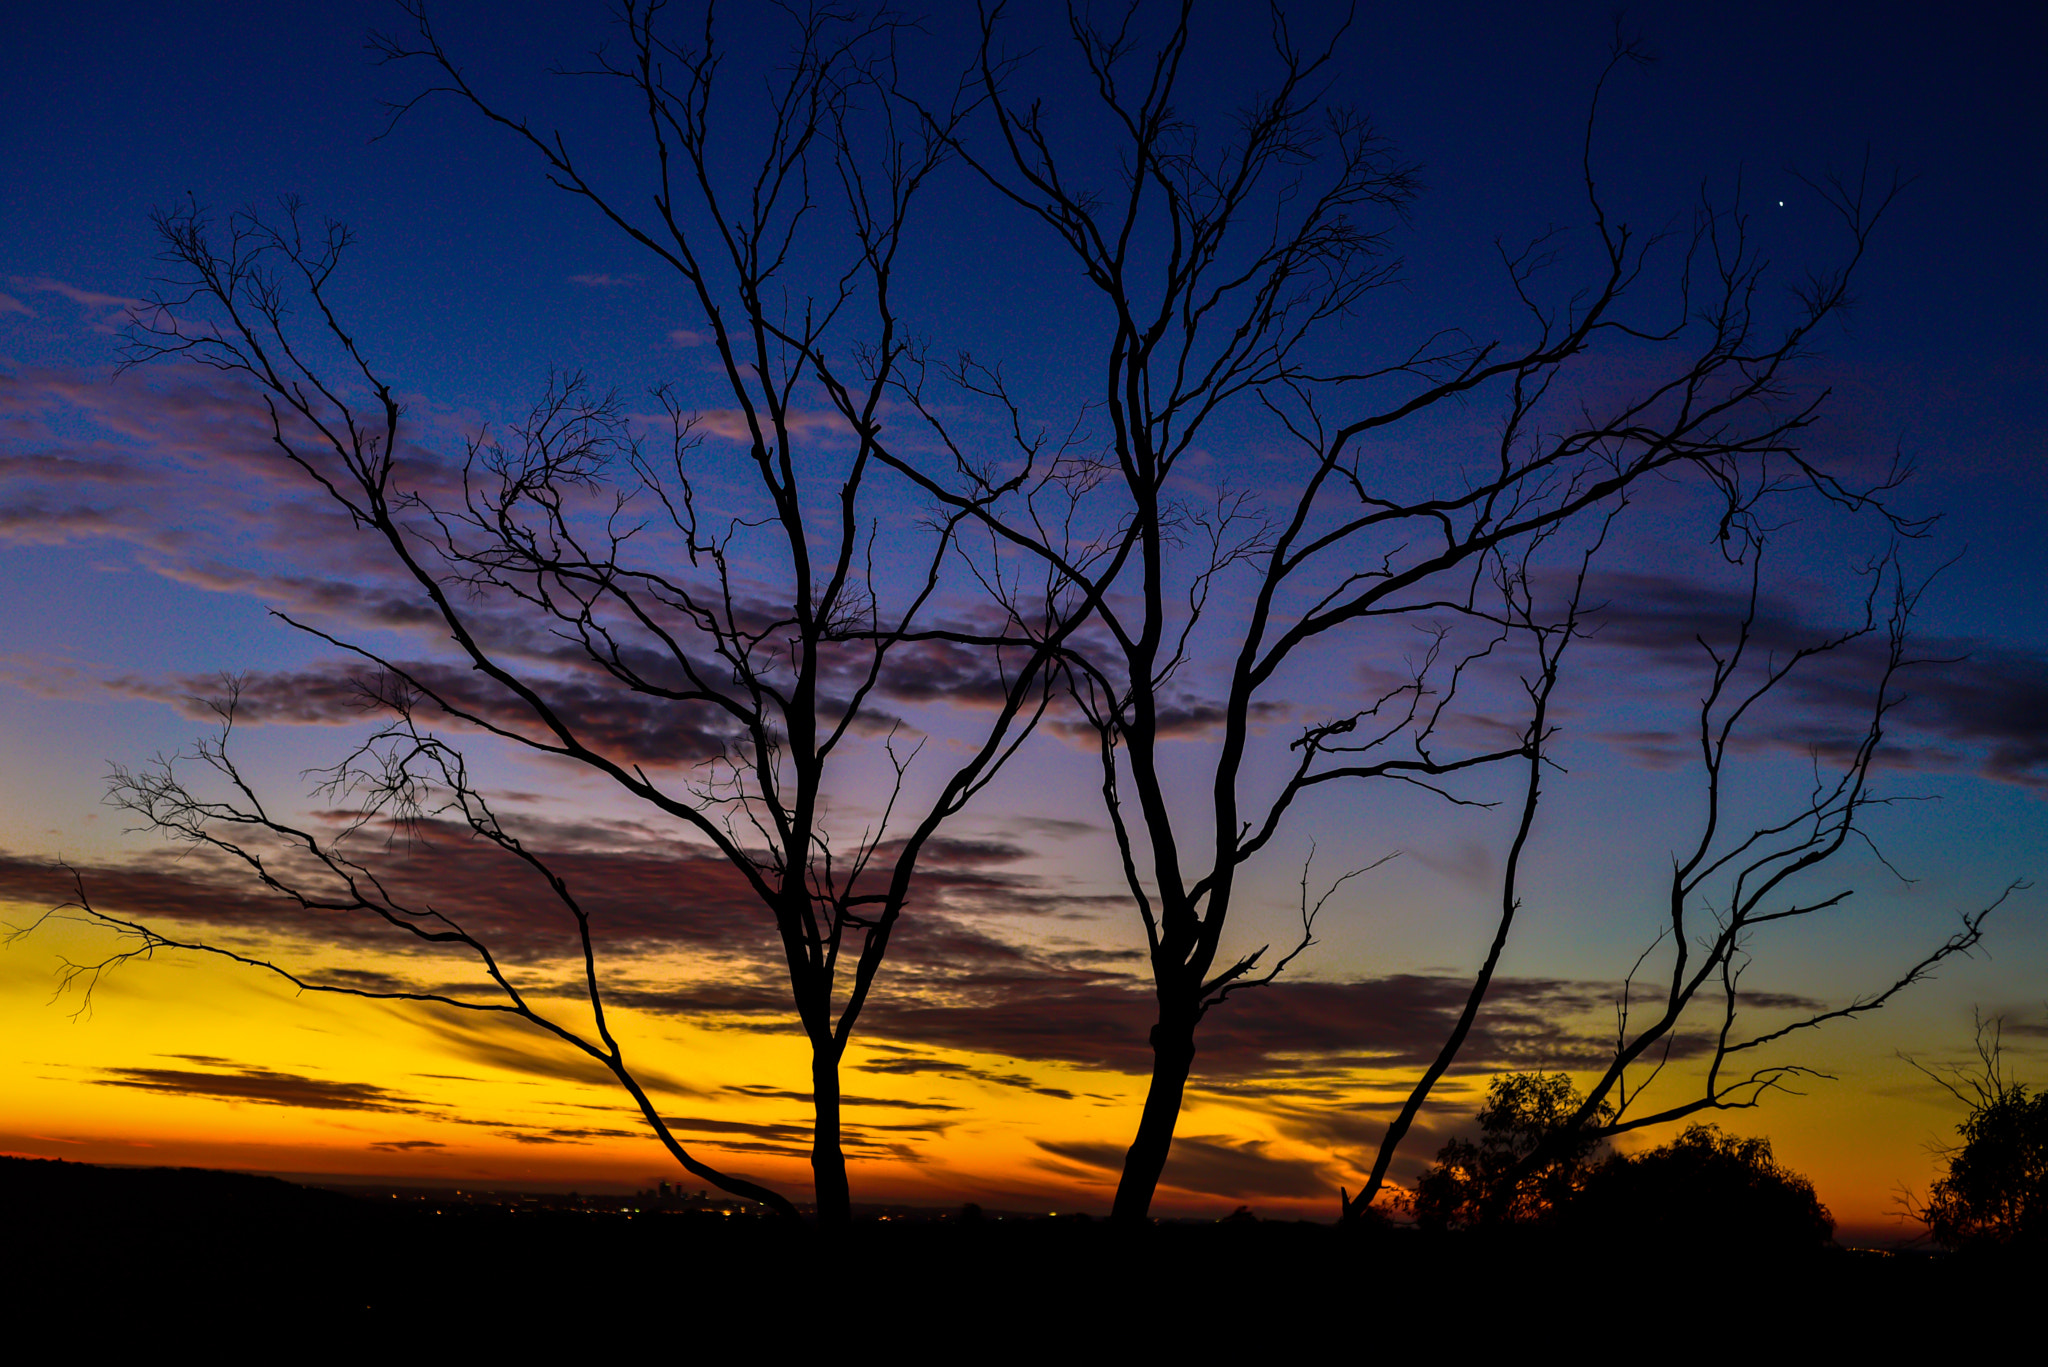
[144, 1250]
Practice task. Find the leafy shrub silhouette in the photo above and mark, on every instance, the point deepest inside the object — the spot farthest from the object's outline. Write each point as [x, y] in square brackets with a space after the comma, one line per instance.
[1704, 1188]
[1995, 1193]
[1493, 1181]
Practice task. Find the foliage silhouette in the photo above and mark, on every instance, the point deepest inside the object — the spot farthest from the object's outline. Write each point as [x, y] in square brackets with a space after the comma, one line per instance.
[1704, 1190]
[1994, 1194]
[1532, 1169]
[1493, 1181]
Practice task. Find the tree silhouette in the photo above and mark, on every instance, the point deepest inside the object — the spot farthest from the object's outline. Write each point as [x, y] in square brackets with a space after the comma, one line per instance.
[1492, 1180]
[1231, 264]
[1995, 1191]
[717, 661]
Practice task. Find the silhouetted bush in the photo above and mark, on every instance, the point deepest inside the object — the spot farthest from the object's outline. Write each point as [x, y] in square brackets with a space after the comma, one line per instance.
[1469, 1183]
[1704, 1188]
[1995, 1193]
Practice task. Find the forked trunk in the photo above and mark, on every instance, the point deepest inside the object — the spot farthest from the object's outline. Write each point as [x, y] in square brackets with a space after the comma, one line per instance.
[1173, 1055]
[828, 1162]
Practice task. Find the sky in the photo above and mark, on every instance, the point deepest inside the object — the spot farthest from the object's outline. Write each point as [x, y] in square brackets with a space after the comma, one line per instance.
[148, 534]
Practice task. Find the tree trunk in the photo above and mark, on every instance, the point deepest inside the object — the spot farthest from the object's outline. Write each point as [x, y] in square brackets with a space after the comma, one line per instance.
[828, 1163]
[1173, 1055]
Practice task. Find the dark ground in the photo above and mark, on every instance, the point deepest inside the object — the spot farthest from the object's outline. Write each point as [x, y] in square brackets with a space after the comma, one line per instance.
[182, 1256]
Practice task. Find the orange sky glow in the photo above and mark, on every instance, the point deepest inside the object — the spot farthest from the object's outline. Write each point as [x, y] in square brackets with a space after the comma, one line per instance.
[183, 1061]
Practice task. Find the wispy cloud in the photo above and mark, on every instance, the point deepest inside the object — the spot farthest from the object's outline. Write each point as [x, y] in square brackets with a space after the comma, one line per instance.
[1974, 706]
[245, 1082]
[109, 310]
[1233, 1169]
[680, 934]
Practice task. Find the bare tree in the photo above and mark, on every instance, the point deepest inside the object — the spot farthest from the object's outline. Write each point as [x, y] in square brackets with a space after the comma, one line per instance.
[1723, 895]
[1227, 261]
[765, 630]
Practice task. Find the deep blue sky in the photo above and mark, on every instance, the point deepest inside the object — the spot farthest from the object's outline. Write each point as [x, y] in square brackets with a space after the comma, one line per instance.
[104, 117]
[464, 283]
